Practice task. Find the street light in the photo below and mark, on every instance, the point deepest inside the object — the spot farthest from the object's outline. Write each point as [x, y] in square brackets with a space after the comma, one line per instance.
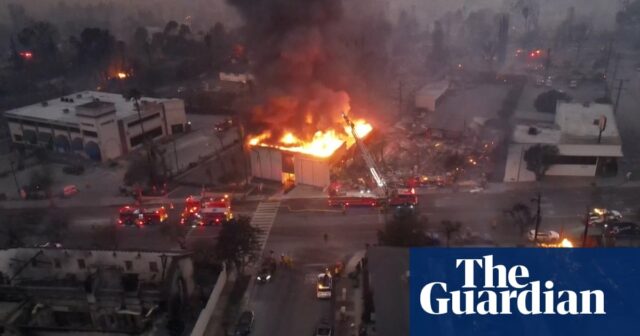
[15, 178]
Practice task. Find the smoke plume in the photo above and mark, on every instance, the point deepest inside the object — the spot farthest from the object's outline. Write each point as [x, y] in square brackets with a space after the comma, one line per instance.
[306, 56]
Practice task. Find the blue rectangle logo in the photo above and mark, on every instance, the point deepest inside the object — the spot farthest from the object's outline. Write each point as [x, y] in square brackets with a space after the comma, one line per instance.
[524, 292]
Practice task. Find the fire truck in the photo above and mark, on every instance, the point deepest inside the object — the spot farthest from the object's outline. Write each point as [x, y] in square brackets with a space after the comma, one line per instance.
[206, 209]
[142, 215]
[382, 195]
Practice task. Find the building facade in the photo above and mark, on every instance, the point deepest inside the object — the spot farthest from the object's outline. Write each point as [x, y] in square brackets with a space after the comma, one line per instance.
[98, 125]
[56, 290]
[586, 136]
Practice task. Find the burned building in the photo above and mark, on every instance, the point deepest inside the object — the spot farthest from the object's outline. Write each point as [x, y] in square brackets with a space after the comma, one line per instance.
[53, 290]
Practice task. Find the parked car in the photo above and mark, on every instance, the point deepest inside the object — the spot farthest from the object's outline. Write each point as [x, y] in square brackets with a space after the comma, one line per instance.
[323, 329]
[601, 216]
[224, 125]
[623, 229]
[69, 190]
[544, 236]
[245, 323]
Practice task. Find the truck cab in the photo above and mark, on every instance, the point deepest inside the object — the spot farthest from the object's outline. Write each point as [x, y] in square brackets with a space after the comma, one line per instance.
[404, 196]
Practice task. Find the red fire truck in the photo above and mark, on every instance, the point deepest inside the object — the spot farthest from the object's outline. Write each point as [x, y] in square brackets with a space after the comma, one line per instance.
[206, 209]
[404, 196]
[142, 215]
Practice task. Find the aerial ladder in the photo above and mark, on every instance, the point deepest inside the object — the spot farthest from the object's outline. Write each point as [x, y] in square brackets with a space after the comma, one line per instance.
[368, 159]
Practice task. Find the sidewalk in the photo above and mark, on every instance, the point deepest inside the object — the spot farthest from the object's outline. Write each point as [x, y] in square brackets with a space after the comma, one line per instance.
[348, 299]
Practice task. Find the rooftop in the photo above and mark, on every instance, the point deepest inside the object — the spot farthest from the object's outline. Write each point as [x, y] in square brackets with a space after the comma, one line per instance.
[91, 104]
[574, 124]
[388, 267]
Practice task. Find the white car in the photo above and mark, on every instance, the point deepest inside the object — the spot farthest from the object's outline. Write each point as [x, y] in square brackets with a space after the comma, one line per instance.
[544, 236]
[601, 216]
[324, 286]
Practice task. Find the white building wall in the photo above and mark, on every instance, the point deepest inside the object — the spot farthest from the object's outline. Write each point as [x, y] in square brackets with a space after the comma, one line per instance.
[175, 113]
[9, 262]
[266, 163]
[311, 171]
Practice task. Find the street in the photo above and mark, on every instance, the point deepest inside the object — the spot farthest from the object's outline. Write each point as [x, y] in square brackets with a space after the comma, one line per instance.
[287, 305]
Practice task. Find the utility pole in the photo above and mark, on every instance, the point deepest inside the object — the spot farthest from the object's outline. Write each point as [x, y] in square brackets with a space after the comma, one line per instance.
[586, 229]
[175, 155]
[538, 218]
[15, 178]
[615, 107]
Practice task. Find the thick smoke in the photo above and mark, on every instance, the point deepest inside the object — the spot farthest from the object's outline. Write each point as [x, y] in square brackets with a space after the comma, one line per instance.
[305, 57]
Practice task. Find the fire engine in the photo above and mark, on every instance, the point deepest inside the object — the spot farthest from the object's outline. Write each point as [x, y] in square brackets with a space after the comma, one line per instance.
[382, 195]
[206, 209]
[142, 215]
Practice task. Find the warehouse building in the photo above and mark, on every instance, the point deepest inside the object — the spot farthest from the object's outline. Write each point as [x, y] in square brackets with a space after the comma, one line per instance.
[98, 125]
[292, 167]
[586, 136]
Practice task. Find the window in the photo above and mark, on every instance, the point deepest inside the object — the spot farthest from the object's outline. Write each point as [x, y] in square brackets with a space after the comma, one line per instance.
[34, 262]
[107, 122]
[154, 133]
[128, 265]
[90, 134]
[89, 125]
[287, 163]
[153, 266]
[81, 264]
[17, 138]
[147, 118]
[56, 263]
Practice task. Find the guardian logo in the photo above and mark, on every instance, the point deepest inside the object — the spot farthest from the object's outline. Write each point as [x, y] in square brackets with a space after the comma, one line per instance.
[523, 292]
[506, 291]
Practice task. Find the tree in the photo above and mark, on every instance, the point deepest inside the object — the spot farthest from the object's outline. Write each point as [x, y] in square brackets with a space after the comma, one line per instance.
[522, 216]
[406, 231]
[42, 39]
[94, 46]
[450, 228]
[238, 242]
[539, 159]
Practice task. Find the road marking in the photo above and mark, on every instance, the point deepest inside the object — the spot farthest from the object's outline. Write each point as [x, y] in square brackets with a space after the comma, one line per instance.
[263, 219]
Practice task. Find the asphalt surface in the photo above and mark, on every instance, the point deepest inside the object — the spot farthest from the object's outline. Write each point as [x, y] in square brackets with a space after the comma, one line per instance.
[287, 305]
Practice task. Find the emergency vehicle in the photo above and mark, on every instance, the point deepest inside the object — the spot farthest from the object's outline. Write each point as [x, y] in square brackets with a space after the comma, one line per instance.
[142, 215]
[206, 209]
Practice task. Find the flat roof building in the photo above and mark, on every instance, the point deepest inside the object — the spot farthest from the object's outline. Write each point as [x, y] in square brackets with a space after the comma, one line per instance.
[576, 130]
[90, 292]
[98, 125]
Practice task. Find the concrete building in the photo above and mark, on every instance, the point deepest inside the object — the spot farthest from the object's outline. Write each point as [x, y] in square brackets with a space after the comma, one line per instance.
[98, 125]
[292, 167]
[575, 131]
[46, 291]
[429, 96]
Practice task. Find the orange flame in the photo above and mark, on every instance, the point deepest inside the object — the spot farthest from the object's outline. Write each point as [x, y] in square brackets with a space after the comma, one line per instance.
[323, 143]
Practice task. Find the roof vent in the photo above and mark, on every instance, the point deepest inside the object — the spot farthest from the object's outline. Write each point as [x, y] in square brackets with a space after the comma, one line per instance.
[586, 104]
[96, 99]
[65, 110]
[78, 95]
[45, 103]
[533, 131]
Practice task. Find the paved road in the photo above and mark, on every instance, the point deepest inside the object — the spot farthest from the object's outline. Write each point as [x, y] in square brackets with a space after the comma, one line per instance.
[287, 306]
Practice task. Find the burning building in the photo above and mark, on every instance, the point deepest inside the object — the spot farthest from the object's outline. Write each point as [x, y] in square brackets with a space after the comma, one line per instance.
[308, 60]
[290, 159]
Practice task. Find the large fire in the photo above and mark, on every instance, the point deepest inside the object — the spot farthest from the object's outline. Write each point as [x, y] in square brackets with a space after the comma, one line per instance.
[322, 144]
